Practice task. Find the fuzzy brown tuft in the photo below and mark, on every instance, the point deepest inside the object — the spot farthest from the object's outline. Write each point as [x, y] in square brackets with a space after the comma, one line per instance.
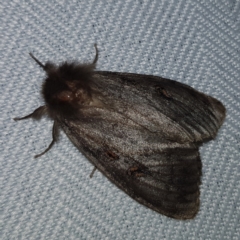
[67, 88]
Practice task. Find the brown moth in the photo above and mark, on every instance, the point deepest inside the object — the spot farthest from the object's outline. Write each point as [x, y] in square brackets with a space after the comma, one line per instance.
[142, 132]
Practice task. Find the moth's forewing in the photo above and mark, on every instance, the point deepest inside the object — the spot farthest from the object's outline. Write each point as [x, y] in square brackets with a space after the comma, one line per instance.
[176, 110]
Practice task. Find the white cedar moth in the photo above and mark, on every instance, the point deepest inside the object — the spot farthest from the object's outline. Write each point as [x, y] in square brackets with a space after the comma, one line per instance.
[142, 132]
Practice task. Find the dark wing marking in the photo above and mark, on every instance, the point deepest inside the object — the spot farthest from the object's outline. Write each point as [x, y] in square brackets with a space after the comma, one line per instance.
[171, 108]
[143, 133]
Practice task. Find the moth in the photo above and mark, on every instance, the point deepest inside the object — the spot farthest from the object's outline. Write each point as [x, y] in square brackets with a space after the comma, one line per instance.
[142, 132]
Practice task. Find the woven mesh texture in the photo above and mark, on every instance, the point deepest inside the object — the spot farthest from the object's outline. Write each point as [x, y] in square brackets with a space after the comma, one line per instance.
[52, 197]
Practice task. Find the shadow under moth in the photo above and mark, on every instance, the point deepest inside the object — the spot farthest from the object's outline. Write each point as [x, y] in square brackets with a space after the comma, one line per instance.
[142, 132]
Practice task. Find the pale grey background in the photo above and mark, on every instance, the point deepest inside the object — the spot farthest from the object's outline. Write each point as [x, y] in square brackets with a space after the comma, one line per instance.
[194, 42]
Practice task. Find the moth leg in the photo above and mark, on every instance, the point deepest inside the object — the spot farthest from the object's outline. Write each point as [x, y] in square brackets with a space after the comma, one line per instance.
[96, 56]
[36, 114]
[55, 133]
[93, 171]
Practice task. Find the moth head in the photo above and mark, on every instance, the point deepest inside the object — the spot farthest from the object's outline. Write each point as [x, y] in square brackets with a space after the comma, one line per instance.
[66, 88]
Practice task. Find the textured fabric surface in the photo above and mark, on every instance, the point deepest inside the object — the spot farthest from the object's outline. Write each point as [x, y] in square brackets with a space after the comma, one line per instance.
[52, 197]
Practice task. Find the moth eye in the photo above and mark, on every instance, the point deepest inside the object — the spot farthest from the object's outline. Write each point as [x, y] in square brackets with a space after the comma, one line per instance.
[65, 96]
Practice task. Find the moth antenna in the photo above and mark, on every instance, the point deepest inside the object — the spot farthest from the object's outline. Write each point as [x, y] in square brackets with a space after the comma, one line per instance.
[38, 62]
[54, 139]
[96, 56]
[93, 171]
[36, 114]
